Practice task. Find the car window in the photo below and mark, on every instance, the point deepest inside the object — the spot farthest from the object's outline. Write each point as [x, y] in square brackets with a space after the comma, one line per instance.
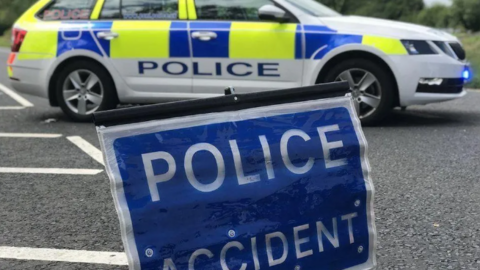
[67, 10]
[111, 10]
[231, 10]
[140, 9]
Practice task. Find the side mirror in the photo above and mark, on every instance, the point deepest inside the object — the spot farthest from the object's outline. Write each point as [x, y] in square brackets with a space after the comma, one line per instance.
[272, 13]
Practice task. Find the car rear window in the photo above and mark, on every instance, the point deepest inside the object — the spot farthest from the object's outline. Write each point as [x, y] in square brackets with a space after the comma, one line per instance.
[140, 9]
[231, 10]
[67, 10]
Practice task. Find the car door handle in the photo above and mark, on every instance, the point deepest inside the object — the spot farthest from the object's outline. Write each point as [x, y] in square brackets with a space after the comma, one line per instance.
[107, 35]
[204, 36]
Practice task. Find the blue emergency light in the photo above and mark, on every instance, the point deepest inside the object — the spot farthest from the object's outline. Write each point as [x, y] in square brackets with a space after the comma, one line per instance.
[467, 74]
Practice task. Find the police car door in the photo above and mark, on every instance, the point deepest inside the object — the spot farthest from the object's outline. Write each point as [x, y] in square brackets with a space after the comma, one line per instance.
[149, 46]
[233, 47]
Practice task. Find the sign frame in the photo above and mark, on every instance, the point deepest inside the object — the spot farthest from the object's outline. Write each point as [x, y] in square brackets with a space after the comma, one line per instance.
[117, 124]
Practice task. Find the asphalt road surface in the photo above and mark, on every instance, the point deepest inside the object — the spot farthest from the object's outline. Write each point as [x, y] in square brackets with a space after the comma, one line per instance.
[426, 170]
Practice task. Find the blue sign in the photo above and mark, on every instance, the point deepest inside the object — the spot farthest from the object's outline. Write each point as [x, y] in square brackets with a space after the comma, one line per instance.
[277, 187]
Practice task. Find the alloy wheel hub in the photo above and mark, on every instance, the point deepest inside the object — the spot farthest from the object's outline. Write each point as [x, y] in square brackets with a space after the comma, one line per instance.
[365, 90]
[83, 92]
[356, 93]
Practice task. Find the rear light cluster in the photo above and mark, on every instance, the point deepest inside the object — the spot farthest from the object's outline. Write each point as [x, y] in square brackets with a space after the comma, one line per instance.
[18, 35]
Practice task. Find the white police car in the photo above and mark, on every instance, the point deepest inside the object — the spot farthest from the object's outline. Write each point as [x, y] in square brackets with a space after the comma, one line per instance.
[90, 55]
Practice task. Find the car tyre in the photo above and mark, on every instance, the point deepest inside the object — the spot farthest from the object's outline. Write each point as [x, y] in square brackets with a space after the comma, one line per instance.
[84, 87]
[374, 102]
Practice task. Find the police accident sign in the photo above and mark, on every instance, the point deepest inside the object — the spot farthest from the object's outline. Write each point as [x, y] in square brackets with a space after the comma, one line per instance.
[274, 187]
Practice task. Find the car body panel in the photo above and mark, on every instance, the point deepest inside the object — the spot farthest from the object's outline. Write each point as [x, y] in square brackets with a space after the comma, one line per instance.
[386, 28]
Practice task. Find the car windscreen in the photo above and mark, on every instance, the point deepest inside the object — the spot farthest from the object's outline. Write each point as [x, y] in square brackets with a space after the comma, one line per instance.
[314, 8]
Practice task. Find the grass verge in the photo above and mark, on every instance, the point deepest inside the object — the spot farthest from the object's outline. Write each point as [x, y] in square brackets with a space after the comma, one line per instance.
[5, 40]
[471, 42]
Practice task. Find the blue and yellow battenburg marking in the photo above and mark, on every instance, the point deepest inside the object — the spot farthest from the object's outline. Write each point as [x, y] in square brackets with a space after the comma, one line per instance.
[320, 40]
[78, 36]
[157, 39]
[167, 39]
[234, 40]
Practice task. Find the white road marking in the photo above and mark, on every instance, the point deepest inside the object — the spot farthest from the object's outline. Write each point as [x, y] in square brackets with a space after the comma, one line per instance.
[88, 148]
[63, 255]
[50, 171]
[30, 135]
[15, 96]
[11, 108]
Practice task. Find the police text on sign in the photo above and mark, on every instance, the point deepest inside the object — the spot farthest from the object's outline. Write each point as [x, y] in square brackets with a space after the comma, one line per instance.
[242, 178]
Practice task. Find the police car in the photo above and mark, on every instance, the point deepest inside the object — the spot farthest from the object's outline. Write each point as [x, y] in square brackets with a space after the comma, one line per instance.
[91, 55]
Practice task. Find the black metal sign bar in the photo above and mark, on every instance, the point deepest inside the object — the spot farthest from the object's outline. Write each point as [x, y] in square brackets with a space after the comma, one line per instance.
[232, 102]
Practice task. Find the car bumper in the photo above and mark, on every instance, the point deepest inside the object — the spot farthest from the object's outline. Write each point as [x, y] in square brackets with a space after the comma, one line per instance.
[428, 79]
[440, 86]
[29, 76]
[29, 88]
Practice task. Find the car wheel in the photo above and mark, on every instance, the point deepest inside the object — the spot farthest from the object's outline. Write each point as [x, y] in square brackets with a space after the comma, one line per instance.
[372, 88]
[85, 87]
